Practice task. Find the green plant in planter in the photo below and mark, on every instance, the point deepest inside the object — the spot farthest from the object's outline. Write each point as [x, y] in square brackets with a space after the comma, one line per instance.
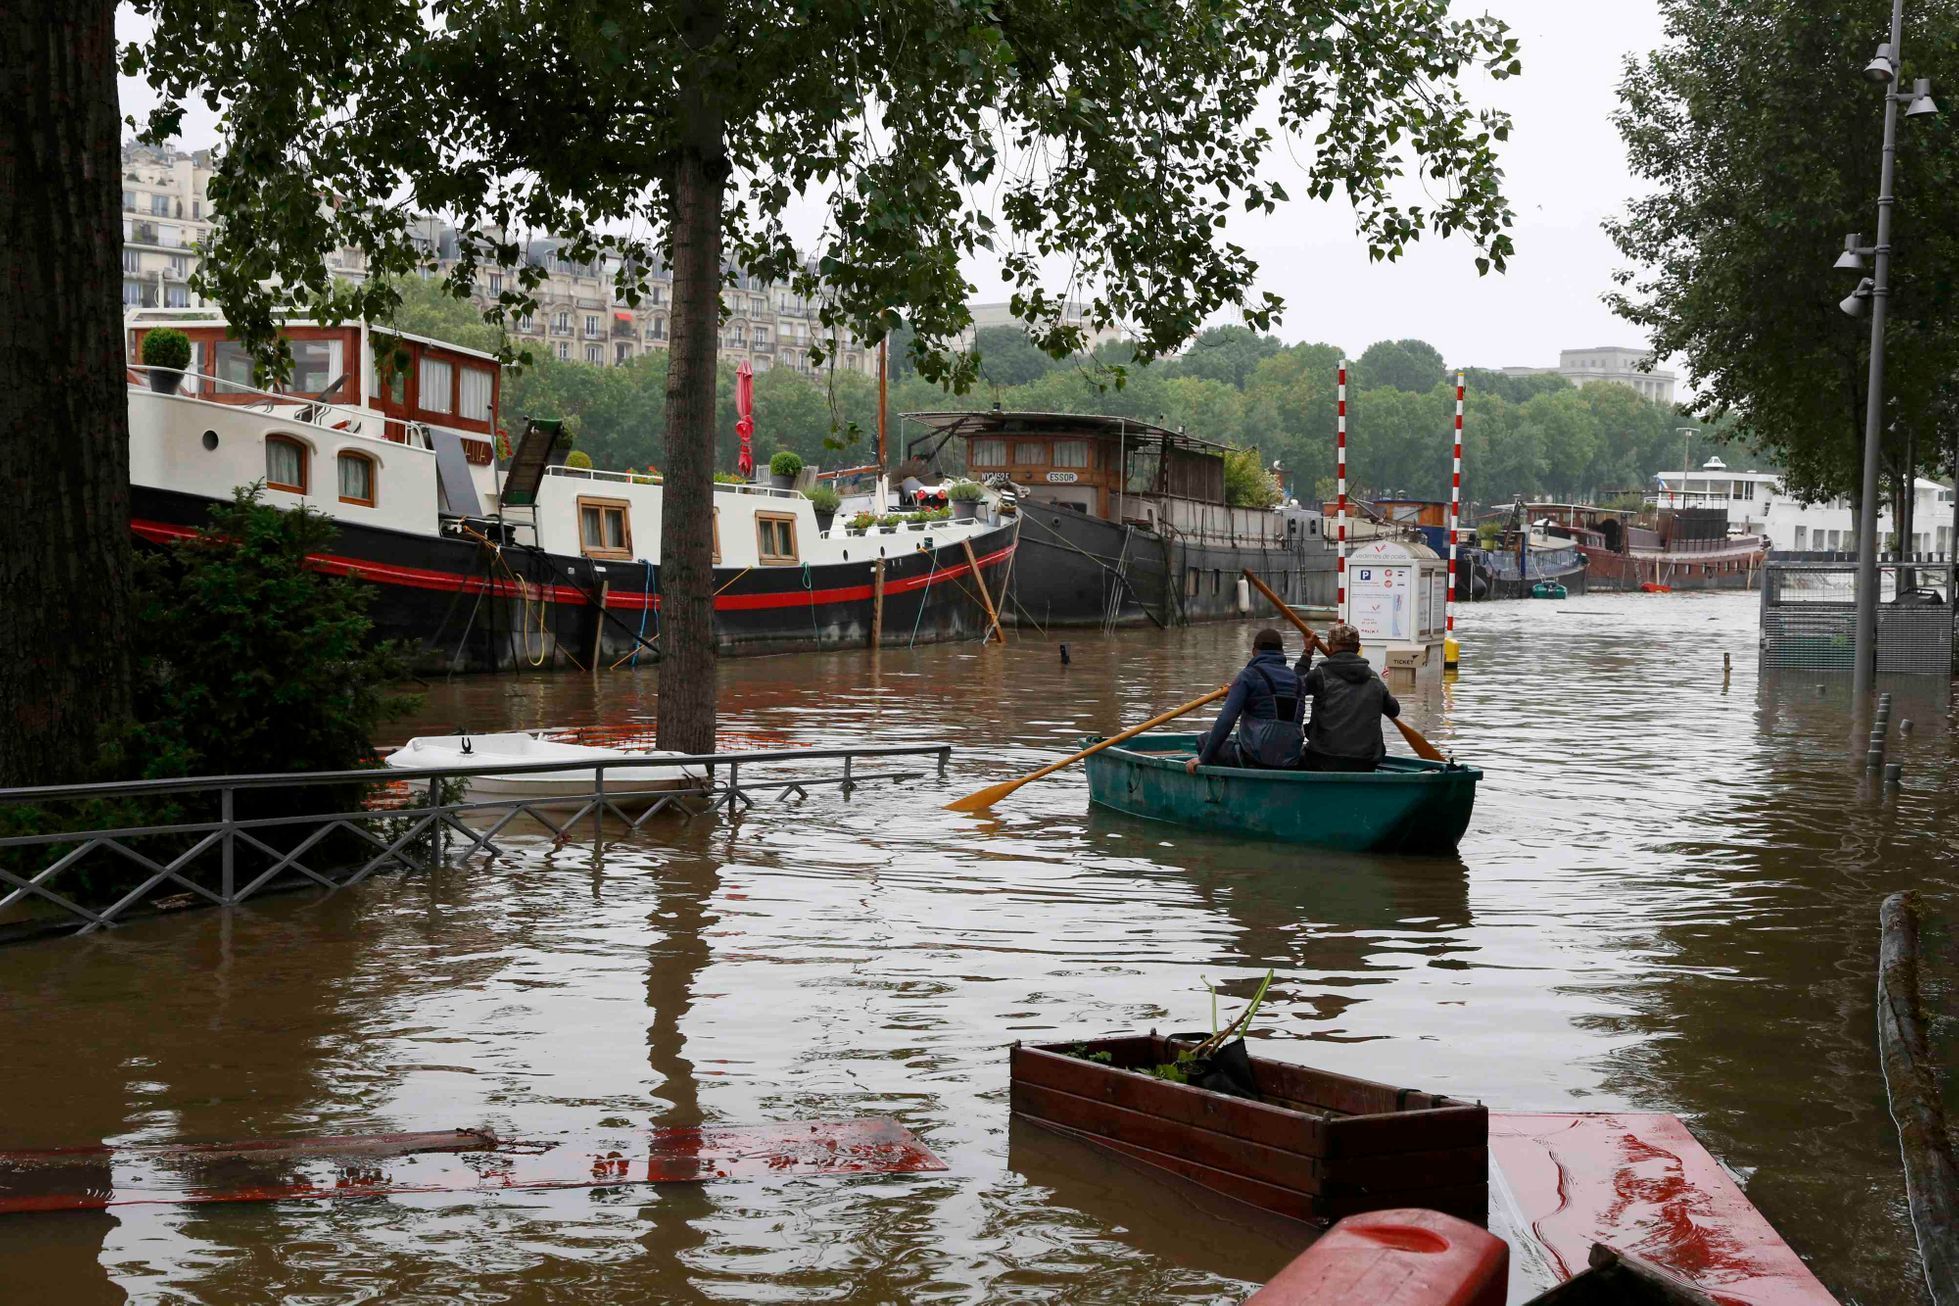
[166, 348]
[936, 514]
[787, 463]
[892, 519]
[965, 492]
[579, 458]
[728, 478]
[823, 498]
[863, 521]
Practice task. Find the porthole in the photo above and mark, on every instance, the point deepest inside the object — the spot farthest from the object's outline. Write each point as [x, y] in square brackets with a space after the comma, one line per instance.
[210, 439]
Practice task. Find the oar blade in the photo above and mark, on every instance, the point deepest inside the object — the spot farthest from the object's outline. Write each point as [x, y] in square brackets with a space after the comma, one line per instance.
[984, 798]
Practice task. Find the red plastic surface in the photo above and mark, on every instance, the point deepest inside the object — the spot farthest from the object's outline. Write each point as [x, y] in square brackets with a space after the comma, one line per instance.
[1642, 1183]
[90, 1178]
[1394, 1258]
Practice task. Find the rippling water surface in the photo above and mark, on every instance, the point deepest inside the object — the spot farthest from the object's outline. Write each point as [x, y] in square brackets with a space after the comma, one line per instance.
[1667, 901]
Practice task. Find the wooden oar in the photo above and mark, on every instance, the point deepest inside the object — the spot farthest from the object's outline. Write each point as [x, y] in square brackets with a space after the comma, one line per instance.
[1422, 747]
[985, 798]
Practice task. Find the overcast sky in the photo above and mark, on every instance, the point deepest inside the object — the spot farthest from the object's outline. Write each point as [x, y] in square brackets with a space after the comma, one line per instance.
[1565, 173]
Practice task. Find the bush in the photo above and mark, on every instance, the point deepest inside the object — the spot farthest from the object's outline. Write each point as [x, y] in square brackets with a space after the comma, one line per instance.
[863, 521]
[824, 498]
[167, 348]
[786, 462]
[965, 492]
[728, 478]
[1246, 482]
[580, 459]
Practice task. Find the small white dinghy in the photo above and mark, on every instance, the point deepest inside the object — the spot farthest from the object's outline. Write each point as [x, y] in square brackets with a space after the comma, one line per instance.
[570, 787]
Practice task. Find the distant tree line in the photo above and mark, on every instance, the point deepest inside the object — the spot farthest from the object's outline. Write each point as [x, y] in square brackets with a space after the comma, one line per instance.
[1538, 436]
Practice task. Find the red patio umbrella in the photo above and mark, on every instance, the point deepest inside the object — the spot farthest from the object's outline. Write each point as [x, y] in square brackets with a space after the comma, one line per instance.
[745, 418]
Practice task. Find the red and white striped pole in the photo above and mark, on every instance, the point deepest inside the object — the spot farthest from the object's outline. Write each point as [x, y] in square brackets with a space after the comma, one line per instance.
[1455, 511]
[1340, 475]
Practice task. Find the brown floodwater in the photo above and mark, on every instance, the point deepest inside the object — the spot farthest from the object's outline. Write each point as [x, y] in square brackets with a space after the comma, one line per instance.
[1667, 900]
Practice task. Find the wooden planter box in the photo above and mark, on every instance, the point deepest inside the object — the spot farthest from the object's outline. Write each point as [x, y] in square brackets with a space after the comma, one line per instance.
[1319, 1147]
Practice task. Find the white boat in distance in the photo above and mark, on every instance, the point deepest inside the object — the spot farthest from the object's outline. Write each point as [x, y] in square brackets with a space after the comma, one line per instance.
[565, 788]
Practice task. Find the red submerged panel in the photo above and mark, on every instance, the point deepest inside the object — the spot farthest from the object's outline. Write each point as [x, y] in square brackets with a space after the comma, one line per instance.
[1642, 1183]
[1395, 1258]
[465, 1161]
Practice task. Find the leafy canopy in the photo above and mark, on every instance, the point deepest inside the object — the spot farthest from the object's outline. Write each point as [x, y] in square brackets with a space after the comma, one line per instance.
[1114, 140]
[1760, 143]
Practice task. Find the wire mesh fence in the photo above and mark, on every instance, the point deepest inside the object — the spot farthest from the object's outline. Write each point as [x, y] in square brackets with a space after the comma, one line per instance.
[1809, 616]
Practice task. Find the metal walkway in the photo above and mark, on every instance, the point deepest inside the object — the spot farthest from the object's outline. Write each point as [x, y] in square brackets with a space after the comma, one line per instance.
[105, 869]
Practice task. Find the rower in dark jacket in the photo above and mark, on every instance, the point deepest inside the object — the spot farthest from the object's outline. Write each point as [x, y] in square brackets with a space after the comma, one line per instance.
[1349, 701]
[1265, 705]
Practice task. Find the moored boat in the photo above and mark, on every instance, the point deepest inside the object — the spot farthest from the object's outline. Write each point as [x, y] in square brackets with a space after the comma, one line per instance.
[1407, 805]
[628, 775]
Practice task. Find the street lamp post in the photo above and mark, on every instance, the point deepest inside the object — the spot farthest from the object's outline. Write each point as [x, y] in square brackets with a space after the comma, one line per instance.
[1876, 289]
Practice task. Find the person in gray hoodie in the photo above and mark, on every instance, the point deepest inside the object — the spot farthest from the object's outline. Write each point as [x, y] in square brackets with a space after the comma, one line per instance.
[1349, 701]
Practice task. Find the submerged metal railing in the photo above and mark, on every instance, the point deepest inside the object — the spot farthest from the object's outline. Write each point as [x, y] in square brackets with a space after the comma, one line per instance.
[227, 859]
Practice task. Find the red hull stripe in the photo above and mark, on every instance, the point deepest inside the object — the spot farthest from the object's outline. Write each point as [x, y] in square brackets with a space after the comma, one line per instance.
[430, 579]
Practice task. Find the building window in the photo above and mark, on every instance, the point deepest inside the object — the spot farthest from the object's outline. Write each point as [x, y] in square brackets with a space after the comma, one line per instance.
[591, 353]
[477, 385]
[525, 324]
[496, 283]
[620, 353]
[129, 201]
[132, 293]
[438, 386]
[356, 478]
[988, 453]
[605, 528]
[176, 297]
[564, 351]
[160, 205]
[591, 324]
[285, 464]
[775, 536]
[197, 209]
[1071, 453]
[657, 329]
[179, 266]
[561, 326]
[132, 261]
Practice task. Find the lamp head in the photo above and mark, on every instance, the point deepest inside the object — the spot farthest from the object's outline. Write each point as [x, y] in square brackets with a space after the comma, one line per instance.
[1880, 71]
[1922, 105]
[1851, 260]
[1853, 303]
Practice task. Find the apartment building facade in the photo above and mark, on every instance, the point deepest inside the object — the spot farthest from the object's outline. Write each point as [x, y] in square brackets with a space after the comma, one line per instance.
[1607, 363]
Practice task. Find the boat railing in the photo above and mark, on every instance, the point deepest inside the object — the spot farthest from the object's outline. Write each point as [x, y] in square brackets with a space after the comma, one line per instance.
[600, 474]
[206, 388]
[205, 847]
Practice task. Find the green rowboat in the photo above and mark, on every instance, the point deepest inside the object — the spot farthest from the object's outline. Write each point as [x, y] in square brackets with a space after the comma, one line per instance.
[1406, 806]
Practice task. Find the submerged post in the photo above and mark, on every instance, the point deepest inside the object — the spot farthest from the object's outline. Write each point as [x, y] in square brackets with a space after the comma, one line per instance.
[1931, 1179]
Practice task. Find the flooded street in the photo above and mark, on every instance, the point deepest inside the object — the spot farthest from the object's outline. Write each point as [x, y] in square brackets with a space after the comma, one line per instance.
[1667, 900]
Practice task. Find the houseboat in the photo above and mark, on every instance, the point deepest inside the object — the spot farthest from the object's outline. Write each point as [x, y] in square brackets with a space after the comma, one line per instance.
[481, 561]
[1682, 548]
[1124, 523]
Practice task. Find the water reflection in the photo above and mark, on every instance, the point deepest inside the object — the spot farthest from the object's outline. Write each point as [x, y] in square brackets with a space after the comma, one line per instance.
[1666, 901]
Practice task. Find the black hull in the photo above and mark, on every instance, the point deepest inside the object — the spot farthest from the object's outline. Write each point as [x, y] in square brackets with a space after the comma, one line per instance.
[1075, 570]
[461, 606]
[1483, 585]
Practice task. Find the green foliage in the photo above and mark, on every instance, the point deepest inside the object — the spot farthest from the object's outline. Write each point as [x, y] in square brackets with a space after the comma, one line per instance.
[965, 492]
[1246, 482]
[580, 459]
[1411, 365]
[1117, 143]
[251, 662]
[728, 478]
[824, 497]
[1007, 357]
[1229, 354]
[863, 521]
[1756, 144]
[786, 462]
[167, 348]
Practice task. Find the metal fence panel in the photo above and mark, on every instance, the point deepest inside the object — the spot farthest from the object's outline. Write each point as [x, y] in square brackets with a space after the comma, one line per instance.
[1809, 617]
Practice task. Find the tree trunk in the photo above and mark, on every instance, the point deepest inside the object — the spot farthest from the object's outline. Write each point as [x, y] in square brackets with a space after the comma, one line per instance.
[700, 172]
[65, 559]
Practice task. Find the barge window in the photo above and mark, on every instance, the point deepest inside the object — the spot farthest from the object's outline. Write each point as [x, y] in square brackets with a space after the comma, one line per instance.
[1071, 453]
[1190, 582]
[775, 535]
[476, 388]
[438, 386]
[285, 464]
[1031, 453]
[605, 528]
[988, 453]
[315, 366]
[356, 478]
[233, 367]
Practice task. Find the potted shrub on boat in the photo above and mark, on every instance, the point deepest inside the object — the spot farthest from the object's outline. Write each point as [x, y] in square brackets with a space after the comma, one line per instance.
[166, 352]
[825, 500]
[862, 522]
[966, 497]
[1304, 1143]
[784, 468]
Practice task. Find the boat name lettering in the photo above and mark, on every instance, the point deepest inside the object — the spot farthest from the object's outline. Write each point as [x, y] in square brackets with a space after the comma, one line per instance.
[1062, 478]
